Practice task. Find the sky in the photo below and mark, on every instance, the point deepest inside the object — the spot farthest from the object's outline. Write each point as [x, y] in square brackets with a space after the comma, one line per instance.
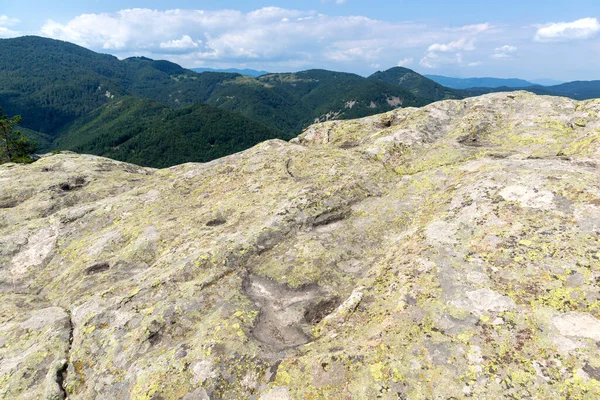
[528, 39]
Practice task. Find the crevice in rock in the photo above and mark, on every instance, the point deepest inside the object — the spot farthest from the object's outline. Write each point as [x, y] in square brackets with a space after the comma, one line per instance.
[57, 377]
[8, 203]
[331, 216]
[316, 313]
[97, 268]
[288, 164]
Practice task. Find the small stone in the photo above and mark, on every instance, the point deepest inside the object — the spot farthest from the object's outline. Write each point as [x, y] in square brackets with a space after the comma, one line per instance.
[580, 325]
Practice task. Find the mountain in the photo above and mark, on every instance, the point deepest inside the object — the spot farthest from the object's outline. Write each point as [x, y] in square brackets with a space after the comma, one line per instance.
[245, 72]
[467, 83]
[417, 84]
[292, 101]
[579, 90]
[54, 84]
[447, 252]
[65, 94]
[51, 83]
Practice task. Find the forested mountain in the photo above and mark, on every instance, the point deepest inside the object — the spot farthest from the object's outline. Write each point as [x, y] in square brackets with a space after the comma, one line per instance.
[433, 91]
[292, 101]
[416, 83]
[51, 83]
[73, 98]
[148, 112]
[578, 90]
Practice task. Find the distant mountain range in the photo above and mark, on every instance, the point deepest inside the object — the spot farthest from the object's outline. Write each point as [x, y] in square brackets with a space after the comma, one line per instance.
[245, 72]
[157, 113]
[468, 83]
[546, 82]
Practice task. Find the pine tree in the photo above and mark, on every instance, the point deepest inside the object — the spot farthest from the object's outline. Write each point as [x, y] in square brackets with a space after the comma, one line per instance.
[14, 147]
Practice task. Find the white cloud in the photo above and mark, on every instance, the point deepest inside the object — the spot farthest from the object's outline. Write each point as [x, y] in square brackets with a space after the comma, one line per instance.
[474, 64]
[271, 38]
[268, 36]
[466, 44]
[185, 43]
[584, 28]
[434, 60]
[439, 54]
[506, 51]
[5, 22]
[405, 61]
[476, 28]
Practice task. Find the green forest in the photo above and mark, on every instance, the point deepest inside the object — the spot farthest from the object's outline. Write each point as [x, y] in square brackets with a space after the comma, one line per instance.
[157, 113]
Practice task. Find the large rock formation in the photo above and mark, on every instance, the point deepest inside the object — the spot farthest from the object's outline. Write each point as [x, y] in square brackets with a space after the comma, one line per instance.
[443, 252]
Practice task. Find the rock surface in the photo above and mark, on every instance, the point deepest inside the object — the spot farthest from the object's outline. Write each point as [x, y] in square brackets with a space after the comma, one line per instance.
[446, 252]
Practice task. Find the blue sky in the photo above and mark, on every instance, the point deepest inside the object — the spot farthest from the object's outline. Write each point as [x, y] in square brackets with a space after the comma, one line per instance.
[527, 39]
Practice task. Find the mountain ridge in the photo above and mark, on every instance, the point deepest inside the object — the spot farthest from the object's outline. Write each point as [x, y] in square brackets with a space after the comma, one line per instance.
[55, 84]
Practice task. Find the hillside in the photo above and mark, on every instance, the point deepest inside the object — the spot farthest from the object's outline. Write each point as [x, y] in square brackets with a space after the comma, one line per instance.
[52, 83]
[416, 83]
[443, 252]
[468, 83]
[579, 90]
[145, 132]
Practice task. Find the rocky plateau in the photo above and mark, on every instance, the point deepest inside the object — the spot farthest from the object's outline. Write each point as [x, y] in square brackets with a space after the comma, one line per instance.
[444, 252]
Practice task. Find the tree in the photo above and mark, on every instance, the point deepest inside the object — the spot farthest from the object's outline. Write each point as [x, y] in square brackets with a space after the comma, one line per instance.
[14, 147]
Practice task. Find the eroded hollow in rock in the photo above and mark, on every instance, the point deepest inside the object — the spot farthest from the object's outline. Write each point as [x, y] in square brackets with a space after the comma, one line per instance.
[286, 315]
[97, 268]
[216, 221]
[72, 184]
[8, 203]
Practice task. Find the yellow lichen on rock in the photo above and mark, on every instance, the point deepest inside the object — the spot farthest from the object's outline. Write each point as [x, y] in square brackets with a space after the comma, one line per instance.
[442, 252]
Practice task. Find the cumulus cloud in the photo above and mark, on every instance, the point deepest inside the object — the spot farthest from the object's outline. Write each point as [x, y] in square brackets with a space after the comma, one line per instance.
[476, 28]
[439, 54]
[466, 44]
[584, 28]
[506, 51]
[5, 20]
[434, 60]
[405, 61]
[271, 35]
[5, 23]
[185, 43]
[271, 38]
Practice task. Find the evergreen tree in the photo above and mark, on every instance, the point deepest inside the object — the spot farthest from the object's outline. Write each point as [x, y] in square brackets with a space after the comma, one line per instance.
[14, 147]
